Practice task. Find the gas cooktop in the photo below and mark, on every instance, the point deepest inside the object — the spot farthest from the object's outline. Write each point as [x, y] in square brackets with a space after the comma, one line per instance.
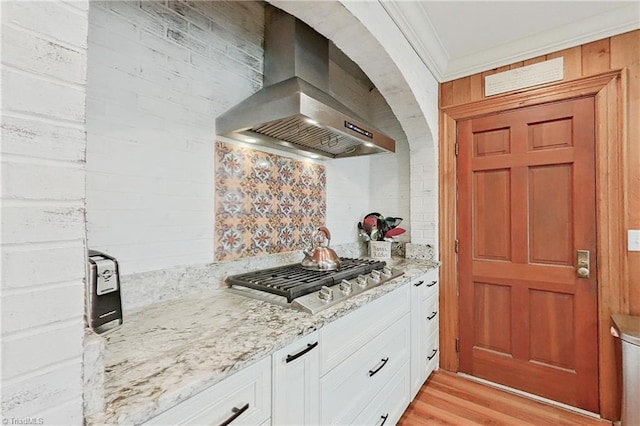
[312, 291]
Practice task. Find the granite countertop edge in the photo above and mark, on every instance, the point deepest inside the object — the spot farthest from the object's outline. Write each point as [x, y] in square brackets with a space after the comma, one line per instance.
[168, 352]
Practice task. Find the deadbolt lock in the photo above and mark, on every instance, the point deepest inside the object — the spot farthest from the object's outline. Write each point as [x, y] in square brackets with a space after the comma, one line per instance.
[584, 268]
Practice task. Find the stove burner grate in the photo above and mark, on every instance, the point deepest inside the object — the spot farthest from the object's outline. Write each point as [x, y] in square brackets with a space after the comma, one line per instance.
[293, 281]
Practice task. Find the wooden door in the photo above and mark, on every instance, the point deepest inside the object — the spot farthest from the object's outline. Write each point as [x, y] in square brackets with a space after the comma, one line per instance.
[526, 204]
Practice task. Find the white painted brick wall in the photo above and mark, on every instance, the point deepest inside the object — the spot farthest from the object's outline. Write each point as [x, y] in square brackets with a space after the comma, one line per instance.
[390, 194]
[158, 75]
[43, 220]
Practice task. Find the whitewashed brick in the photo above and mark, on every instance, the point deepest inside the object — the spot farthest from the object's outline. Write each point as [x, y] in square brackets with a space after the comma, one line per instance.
[185, 40]
[192, 16]
[160, 44]
[242, 19]
[51, 19]
[82, 5]
[30, 94]
[48, 391]
[38, 307]
[134, 258]
[26, 266]
[159, 12]
[102, 18]
[42, 223]
[42, 182]
[44, 57]
[160, 234]
[38, 139]
[24, 353]
[130, 11]
[68, 413]
[43, 76]
[106, 50]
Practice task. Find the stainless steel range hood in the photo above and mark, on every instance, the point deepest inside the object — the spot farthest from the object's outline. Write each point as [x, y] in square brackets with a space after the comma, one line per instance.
[294, 111]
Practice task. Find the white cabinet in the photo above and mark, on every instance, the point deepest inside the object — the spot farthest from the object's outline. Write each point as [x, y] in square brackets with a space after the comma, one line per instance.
[348, 389]
[242, 399]
[377, 340]
[296, 383]
[389, 405]
[424, 328]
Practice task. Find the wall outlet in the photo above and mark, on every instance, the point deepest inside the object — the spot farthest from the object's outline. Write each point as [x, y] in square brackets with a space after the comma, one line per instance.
[633, 239]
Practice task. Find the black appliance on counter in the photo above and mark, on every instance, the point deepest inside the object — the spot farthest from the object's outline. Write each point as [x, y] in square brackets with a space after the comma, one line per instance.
[312, 291]
[104, 301]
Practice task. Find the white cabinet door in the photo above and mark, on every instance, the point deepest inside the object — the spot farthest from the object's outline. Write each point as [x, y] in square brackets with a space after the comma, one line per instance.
[344, 337]
[348, 388]
[388, 406]
[296, 383]
[241, 399]
[424, 323]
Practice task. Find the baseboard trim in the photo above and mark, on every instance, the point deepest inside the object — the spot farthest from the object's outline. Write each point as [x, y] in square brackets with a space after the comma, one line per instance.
[531, 396]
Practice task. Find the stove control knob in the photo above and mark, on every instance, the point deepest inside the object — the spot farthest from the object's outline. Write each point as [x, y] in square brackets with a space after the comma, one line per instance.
[345, 287]
[326, 294]
[361, 281]
[375, 276]
[387, 272]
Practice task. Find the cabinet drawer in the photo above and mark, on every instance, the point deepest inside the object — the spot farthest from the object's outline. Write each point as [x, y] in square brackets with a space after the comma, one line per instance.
[426, 284]
[431, 354]
[250, 388]
[430, 316]
[349, 387]
[387, 407]
[342, 338]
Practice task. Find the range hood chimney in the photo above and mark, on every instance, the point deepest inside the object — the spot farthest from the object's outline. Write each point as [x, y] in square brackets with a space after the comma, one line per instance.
[294, 110]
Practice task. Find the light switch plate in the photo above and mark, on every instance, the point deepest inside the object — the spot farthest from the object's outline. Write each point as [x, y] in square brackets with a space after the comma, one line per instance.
[633, 239]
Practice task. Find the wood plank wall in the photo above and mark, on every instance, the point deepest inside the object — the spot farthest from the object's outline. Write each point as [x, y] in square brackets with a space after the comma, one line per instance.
[621, 52]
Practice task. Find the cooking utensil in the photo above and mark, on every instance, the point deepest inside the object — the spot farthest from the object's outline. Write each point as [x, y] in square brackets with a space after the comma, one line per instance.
[392, 222]
[394, 232]
[369, 224]
[362, 233]
[320, 257]
[380, 225]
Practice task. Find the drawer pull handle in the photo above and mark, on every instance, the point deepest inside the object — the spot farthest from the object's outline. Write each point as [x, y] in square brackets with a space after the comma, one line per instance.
[432, 316]
[432, 283]
[237, 412]
[419, 283]
[384, 362]
[302, 352]
[433, 353]
[384, 419]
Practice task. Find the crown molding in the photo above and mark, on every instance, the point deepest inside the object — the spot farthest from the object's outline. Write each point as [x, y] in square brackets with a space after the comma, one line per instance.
[414, 23]
[605, 25]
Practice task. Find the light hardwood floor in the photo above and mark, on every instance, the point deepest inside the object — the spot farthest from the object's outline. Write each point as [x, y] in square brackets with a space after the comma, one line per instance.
[449, 399]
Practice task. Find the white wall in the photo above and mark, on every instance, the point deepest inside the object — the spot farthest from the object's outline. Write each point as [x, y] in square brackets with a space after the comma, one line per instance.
[43, 224]
[158, 75]
[390, 191]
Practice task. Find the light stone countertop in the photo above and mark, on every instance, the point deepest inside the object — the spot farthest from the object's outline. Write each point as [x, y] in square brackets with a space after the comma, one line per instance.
[168, 352]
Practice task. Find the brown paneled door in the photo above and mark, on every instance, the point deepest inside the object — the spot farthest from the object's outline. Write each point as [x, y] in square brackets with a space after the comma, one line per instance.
[526, 206]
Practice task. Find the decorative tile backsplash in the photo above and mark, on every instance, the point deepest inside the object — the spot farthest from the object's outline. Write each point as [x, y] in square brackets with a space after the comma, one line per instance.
[265, 203]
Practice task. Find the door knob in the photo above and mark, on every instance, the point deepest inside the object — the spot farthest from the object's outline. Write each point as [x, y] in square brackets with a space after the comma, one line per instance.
[584, 268]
